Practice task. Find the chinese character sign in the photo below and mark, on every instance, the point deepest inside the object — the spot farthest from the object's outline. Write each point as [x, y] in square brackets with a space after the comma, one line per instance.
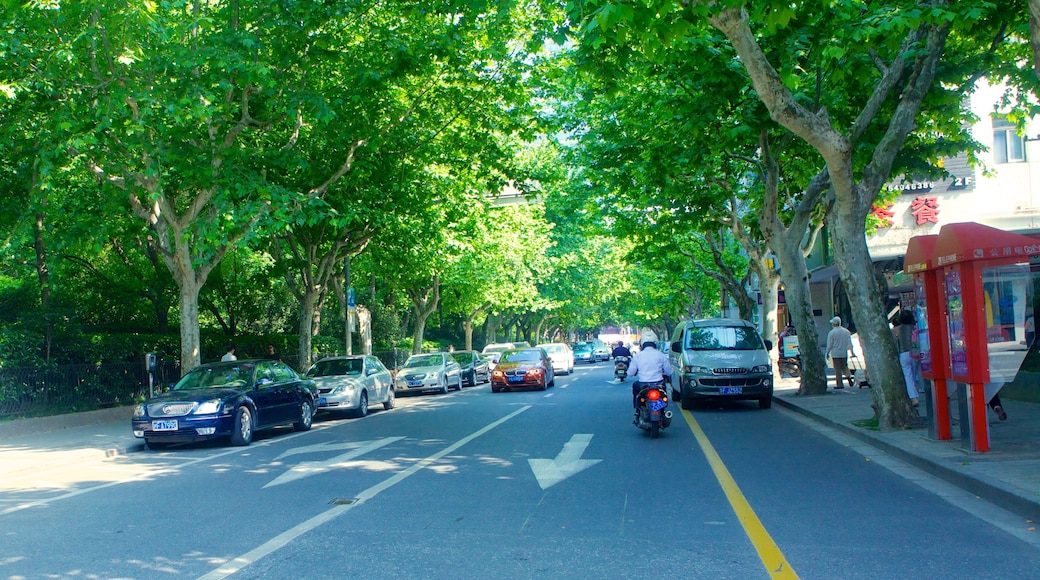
[883, 215]
[925, 209]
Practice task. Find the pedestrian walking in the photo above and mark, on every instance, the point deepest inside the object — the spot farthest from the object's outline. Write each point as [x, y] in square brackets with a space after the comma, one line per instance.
[230, 354]
[903, 331]
[839, 344]
[272, 354]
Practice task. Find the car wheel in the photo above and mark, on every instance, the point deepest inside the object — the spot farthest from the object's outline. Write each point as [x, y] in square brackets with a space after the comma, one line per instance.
[306, 416]
[765, 402]
[390, 400]
[458, 386]
[242, 434]
[544, 384]
[473, 378]
[444, 385]
[362, 408]
[495, 389]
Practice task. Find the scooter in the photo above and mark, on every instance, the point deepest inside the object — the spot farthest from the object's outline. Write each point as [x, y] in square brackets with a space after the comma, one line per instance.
[653, 414]
[621, 367]
[790, 366]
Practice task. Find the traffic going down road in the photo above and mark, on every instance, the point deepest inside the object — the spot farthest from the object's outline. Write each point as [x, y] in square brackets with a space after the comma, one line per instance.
[517, 485]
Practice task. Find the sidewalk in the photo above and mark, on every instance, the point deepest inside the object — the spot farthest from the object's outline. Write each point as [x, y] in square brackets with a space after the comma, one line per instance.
[1007, 476]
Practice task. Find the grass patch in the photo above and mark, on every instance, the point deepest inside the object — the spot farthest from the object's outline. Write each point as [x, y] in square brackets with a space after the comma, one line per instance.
[871, 423]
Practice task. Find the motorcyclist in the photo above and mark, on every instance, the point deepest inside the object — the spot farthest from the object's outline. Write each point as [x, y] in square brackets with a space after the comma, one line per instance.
[621, 350]
[649, 365]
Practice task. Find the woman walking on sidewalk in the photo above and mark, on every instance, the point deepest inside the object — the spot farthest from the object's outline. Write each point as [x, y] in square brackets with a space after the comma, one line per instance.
[905, 341]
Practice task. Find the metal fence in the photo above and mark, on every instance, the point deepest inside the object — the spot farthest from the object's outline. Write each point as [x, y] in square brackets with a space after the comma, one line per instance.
[70, 388]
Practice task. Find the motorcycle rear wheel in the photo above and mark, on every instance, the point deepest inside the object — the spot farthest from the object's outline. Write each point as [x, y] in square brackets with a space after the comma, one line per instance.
[655, 429]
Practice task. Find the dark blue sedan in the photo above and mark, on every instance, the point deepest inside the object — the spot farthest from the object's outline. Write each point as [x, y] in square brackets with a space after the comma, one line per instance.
[227, 399]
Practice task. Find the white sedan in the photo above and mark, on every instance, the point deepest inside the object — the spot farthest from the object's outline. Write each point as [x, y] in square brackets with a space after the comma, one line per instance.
[352, 383]
[561, 355]
[436, 371]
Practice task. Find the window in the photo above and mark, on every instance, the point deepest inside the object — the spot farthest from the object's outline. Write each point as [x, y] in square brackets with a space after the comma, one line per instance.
[1008, 145]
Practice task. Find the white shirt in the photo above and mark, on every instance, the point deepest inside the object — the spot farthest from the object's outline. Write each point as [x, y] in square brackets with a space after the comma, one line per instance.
[228, 357]
[650, 365]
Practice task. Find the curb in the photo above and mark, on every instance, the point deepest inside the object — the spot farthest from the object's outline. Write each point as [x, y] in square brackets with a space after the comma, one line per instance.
[994, 492]
[37, 425]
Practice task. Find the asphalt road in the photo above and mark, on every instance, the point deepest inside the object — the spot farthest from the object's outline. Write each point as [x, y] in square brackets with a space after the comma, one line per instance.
[514, 485]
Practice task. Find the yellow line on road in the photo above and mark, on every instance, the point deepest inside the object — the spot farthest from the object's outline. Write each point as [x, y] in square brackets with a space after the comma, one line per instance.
[768, 552]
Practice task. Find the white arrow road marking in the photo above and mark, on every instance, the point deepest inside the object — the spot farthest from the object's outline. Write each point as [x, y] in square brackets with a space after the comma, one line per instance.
[322, 447]
[308, 468]
[549, 472]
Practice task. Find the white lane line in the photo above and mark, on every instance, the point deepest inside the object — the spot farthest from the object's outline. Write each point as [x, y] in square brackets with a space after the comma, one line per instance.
[547, 395]
[284, 538]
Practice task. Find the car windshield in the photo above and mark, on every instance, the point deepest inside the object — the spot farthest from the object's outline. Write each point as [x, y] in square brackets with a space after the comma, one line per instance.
[464, 358]
[429, 360]
[521, 356]
[226, 376]
[553, 348]
[582, 348]
[723, 338]
[336, 367]
[498, 348]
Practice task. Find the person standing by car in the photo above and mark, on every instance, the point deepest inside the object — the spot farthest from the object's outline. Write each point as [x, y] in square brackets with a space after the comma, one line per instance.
[230, 354]
[620, 350]
[839, 344]
[649, 365]
[272, 354]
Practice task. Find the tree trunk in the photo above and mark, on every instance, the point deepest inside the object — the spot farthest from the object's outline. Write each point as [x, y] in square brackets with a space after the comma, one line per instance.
[44, 276]
[424, 304]
[467, 324]
[308, 306]
[908, 76]
[191, 344]
[799, 305]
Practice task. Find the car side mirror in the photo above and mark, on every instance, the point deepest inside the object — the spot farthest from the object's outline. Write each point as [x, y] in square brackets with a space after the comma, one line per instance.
[769, 344]
[676, 347]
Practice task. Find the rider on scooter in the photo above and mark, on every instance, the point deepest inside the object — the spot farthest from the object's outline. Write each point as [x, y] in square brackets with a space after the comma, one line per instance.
[649, 365]
[620, 350]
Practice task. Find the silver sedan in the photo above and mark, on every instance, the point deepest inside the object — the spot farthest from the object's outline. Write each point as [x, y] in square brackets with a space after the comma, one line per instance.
[436, 371]
[352, 383]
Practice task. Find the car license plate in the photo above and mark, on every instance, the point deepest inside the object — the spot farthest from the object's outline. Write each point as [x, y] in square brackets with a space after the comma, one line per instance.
[657, 405]
[170, 425]
[322, 402]
[731, 390]
[414, 383]
[516, 379]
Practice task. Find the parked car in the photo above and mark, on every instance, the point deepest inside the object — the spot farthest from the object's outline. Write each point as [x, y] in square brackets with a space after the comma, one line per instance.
[423, 373]
[720, 358]
[523, 368]
[352, 383]
[600, 350]
[227, 399]
[492, 359]
[561, 356]
[583, 353]
[473, 367]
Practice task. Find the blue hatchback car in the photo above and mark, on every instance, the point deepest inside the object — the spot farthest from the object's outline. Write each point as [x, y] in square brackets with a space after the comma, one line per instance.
[227, 399]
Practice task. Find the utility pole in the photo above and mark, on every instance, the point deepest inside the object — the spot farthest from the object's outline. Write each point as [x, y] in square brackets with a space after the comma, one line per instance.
[349, 323]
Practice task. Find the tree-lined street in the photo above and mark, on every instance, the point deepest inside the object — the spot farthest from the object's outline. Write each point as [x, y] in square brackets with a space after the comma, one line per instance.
[456, 485]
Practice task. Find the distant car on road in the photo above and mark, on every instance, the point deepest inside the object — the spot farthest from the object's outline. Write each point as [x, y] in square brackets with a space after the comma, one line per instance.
[423, 373]
[474, 368]
[583, 353]
[561, 356]
[523, 368]
[227, 399]
[352, 383]
[600, 350]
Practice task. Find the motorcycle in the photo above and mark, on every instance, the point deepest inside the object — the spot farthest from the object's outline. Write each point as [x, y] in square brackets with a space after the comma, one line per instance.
[621, 367]
[653, 414]
[790, 366]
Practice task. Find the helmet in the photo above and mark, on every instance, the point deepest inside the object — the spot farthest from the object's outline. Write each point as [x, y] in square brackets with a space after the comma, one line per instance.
[620, 343]
[648, 336]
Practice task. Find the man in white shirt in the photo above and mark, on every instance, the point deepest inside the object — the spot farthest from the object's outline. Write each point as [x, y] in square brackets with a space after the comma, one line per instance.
[839, 344]
[229, 355]
[649, 365]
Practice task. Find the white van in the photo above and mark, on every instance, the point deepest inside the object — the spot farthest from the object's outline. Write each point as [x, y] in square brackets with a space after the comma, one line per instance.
[720, 358]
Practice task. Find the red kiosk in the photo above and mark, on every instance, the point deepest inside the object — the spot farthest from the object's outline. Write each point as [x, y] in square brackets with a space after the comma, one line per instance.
[935, 352]
[977, 291]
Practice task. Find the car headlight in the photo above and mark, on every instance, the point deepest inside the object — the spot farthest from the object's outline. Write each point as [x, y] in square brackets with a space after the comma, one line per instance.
[347, 388]
[697, 370]
[139, 411]
[207, 408]
[760, 369]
